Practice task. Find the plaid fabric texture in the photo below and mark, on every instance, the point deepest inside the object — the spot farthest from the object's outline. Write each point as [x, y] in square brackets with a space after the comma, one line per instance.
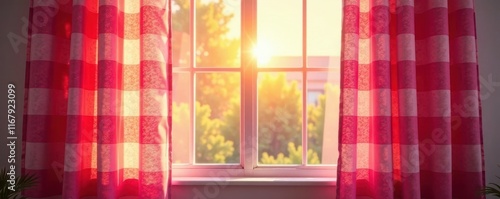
[410, 124]
[97, 107]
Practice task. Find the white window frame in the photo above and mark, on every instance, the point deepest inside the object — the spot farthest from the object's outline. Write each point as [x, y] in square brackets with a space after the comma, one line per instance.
[248, 166]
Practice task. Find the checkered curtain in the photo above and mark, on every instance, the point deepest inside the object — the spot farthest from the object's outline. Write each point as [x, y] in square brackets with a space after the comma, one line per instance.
[410, 124]
[98, 89]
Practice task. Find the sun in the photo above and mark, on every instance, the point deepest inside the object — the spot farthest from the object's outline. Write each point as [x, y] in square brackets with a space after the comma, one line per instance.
[263, 53]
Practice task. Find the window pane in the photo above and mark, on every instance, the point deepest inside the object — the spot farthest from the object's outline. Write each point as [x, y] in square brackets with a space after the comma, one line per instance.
[322, 105]
[217, 127]
[218, 27]
[181, 120]
[180, 32]
[324, 36]
[279, 118]
[279, 33]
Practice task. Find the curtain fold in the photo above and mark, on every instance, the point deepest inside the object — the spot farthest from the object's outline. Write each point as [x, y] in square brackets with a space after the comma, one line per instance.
[410, 114]
[97, 118]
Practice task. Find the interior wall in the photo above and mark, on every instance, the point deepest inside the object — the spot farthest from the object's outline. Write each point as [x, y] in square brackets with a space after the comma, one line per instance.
[253, 192]
[13, 39]
[488, 38]
[12, 63]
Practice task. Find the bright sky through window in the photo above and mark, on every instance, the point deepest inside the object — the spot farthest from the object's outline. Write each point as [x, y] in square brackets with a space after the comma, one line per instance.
[263, 51]
[290, 44]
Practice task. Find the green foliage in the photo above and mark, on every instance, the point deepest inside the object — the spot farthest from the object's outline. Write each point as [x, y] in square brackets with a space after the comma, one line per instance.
[279, 114]
[316, 121]
[213, 90]
[22, 183]
[216, 89]
[213, 49]
[493, 189]
[231, 128]
[217, 140]
[294, 157]
[212, 42]
[212, 146]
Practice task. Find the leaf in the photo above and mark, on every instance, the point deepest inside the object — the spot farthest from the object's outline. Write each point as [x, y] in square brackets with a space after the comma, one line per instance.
[23, 182]
[493, 189]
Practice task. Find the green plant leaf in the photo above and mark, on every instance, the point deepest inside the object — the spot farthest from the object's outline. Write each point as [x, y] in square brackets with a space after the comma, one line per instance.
[493, 189]
[23, 182]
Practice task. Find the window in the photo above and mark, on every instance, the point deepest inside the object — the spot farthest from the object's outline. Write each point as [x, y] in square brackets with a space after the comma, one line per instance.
[247, 74]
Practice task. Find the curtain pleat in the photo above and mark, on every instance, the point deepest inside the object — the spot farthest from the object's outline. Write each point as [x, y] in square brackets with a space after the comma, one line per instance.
[410, 124]
[98, 105]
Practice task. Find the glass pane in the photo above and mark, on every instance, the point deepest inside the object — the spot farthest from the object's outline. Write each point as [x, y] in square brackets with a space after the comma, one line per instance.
[279, 118]
[324, 36]
[322, 105]
[218, 27]
[181, 120]
[180, 32]
[279, 33]
[217, 127]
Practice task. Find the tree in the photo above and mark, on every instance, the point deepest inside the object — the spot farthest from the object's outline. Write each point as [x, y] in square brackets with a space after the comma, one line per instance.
[213, 49]
[231, 128]
[212, 146]
[279, 120]
[279, 114]
[279, 126]
[294, 157]
[213, 90]
[316, 121]
[216, 90]
[212, 41]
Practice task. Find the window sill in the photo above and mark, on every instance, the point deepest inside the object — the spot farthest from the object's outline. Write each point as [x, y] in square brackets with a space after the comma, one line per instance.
[254, 181]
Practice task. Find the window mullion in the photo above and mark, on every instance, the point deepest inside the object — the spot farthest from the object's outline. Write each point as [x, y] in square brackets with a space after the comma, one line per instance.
[248, 98]
[304, 82]
[192, 62]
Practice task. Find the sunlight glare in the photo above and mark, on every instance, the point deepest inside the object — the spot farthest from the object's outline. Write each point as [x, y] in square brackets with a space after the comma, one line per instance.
[263, 53]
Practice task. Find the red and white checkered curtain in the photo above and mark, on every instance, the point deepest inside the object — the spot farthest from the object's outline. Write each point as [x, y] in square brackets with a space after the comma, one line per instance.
[410, 124]
[98, 89]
